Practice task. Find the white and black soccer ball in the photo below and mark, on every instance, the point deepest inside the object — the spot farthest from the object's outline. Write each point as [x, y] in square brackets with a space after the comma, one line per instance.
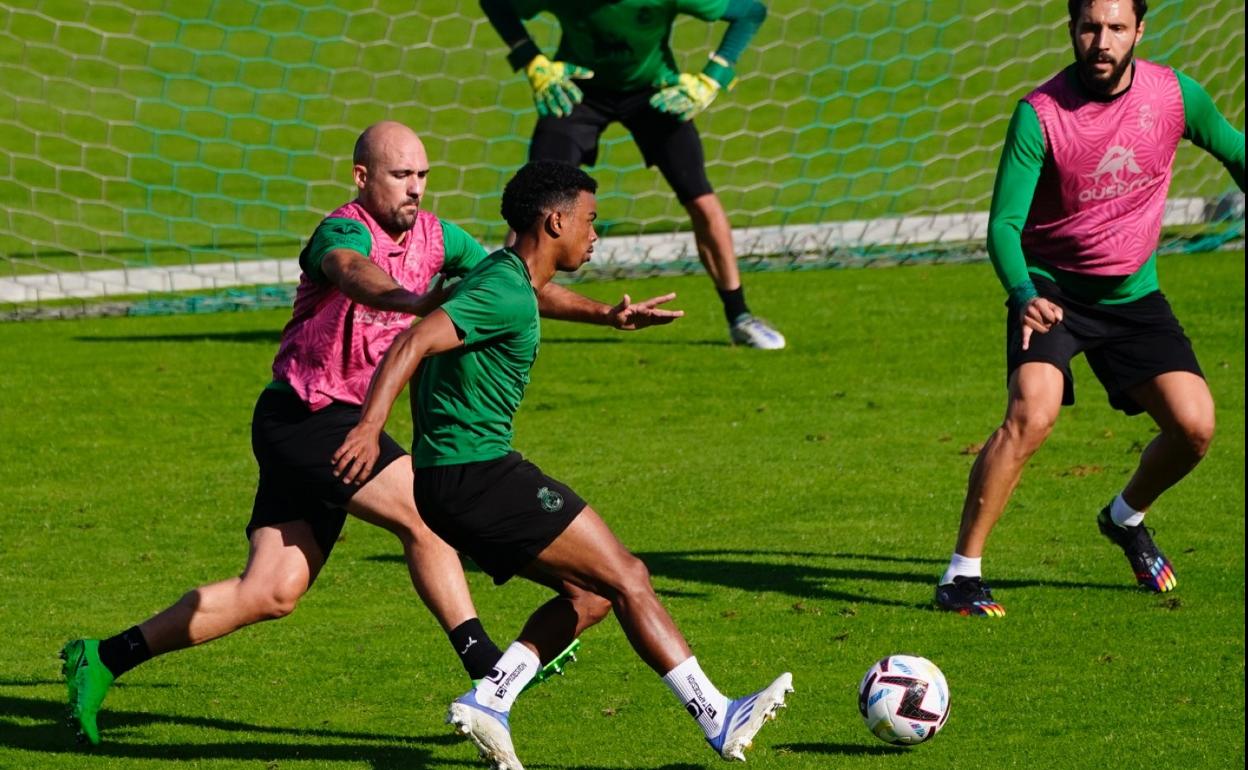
[904, 700]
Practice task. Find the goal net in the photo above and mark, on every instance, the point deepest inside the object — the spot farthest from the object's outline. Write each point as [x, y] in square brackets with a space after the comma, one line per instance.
[151, 147]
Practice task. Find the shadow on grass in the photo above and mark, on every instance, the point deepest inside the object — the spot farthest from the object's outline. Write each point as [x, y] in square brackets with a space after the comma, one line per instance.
[633, 339]
[49, 734]
[266, 336]
[807, 574]
[841, 749]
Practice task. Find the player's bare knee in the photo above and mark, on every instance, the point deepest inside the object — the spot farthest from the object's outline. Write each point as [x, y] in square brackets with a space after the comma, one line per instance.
[1196, 436]
[632, 579]
[1027, 429]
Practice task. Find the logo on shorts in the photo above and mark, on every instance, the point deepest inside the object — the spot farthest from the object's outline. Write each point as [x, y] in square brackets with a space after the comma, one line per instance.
[550, 500]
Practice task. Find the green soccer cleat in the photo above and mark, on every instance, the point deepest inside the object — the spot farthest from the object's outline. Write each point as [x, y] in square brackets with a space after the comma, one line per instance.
[556, 666]
[87, 680]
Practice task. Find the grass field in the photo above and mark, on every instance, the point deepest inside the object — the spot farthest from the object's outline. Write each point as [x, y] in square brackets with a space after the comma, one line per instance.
[154, 132]
[795, 510]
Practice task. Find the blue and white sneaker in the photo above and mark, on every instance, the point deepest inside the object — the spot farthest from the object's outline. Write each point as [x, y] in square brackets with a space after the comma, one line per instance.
[754, 332]
[746, 716]
[486, 728]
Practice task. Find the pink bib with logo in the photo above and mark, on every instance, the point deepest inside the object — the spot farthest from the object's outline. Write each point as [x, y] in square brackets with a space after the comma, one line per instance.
[332, 345]
[1102, 192]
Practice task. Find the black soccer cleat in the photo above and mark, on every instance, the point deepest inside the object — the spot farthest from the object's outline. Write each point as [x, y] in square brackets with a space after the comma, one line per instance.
[1151, 567]
[968, 596]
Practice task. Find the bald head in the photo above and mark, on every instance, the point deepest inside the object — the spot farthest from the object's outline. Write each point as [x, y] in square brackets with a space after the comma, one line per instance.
[382, 139]
[390, 169]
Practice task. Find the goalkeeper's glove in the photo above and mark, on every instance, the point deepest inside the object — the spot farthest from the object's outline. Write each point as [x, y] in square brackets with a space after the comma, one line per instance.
[554, 93]
[691, 94]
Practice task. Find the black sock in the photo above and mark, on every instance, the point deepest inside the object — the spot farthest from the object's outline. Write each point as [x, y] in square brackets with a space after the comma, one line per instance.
[124, 651]
[734, 303]
[475, 648]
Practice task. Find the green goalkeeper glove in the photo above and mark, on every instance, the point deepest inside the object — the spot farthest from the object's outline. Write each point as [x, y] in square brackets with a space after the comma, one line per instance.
[687, 97]
[554, 93]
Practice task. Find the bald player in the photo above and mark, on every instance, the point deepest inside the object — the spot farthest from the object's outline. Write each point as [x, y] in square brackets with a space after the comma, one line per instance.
[368, 270]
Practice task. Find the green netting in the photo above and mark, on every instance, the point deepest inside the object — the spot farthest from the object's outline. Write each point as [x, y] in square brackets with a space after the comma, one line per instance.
[178, 134]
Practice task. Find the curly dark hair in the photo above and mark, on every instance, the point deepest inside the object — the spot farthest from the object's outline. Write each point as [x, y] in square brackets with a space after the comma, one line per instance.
[541, 186]
[1075, 6]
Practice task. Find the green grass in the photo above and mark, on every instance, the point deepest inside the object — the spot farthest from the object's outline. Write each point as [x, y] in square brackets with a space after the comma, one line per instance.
[795, 510]
[221, 130]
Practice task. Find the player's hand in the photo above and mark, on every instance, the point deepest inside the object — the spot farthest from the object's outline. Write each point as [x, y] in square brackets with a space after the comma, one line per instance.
[688, 96]
[627, 316]
[437, 293]
[554, 93]
[354, 460]
[1039, 315]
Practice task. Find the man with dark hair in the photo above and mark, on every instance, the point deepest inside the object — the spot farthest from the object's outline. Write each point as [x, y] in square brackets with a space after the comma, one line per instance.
[1076, 214]
[366, 271]
[624, 47]
[474, 356]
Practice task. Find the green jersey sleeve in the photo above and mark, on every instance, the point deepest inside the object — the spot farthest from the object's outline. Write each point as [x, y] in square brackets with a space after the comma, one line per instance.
[706, 10]
[333, 233]
[1022, 158]
[489, 305]
[1209, 130]
[461, 251]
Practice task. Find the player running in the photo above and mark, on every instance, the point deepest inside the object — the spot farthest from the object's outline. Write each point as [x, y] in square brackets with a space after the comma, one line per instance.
[620, 55]
[474, 356]
[1076, 215]
[366, 271]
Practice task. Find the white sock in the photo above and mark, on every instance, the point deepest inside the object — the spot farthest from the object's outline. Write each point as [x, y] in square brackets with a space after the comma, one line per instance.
[500, 688]
[1123, 514]
[700, 698]
[960, 566]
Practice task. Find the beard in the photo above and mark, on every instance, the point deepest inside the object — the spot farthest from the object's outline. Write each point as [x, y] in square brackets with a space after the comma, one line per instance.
[1104, 84]
[398, 220]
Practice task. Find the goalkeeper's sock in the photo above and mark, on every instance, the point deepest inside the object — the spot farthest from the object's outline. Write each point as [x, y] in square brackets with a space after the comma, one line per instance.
[734, 303]
[961, 566]
[701, 699]
[476, 650]
[1123, 514]
[124, 651]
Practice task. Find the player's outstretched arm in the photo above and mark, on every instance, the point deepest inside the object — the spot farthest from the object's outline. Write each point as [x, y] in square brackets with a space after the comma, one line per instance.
[355, 458]
[690, 94]
[364, 282]
[554, 92]
[562, 304]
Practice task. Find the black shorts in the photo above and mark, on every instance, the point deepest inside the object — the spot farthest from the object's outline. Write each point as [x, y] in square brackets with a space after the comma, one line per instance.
[501, 513]
[665, 141]
[293, 446]
[1126, 345]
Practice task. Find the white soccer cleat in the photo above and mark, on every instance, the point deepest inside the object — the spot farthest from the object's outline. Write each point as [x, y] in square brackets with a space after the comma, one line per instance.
[755, 333]
[746, 716]
[486, 728]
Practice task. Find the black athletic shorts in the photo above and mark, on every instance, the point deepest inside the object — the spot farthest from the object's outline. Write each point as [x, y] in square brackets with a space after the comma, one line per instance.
[665, 141]
[293, 446]
[1126, 345]
[501, 513]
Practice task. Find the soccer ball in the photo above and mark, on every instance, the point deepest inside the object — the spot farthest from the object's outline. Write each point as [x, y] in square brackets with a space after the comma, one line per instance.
[904, 699]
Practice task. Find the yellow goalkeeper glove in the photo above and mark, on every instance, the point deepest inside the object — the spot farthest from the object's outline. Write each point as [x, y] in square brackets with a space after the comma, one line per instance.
[554, 93]
[687, 97]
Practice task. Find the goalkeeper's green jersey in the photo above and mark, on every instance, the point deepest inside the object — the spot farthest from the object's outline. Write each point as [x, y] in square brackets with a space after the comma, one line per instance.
[625, 43]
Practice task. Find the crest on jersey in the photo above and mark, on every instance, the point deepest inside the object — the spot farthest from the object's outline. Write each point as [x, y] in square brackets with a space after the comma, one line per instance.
[1146, 117]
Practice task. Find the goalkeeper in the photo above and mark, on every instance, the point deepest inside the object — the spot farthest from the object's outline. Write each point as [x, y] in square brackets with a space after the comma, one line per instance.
[615, 63]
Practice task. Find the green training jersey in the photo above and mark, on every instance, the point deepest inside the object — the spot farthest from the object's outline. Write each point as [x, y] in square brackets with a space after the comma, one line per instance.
[626, 43]
[465, 399]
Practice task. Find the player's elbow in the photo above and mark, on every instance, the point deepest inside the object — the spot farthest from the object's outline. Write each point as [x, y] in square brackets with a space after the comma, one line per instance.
[757, 12]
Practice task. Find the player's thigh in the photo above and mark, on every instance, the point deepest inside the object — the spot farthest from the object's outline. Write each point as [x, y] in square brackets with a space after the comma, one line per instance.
[1179, 402]
[387, 501]
[1035, 396]
[675, 148]
[284, 559]
[571, 139]
[588, 555]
